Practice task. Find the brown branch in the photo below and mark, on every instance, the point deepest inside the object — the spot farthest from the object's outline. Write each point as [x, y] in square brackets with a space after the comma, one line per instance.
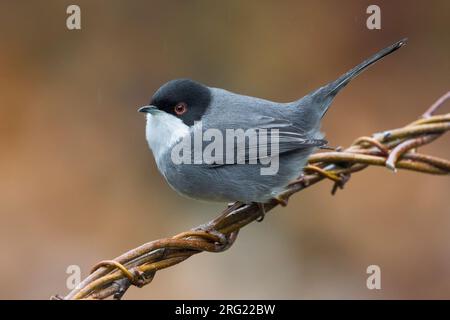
[393, 148]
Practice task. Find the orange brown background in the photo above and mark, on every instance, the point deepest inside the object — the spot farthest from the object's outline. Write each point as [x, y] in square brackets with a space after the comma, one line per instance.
[78, 183]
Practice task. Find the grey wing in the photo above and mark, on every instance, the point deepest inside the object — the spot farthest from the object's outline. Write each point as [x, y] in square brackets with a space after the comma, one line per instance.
[292, 137]
[281, 137]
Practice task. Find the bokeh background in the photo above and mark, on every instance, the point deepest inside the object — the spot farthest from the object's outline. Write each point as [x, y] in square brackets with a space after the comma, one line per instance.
[78, 183]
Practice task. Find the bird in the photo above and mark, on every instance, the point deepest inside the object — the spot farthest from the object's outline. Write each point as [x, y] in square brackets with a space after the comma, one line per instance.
[182, 108]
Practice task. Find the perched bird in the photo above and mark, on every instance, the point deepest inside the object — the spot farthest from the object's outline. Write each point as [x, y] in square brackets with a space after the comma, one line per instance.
[182, 108]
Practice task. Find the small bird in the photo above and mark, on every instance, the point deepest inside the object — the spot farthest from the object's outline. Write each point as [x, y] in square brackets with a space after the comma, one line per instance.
[182, 108]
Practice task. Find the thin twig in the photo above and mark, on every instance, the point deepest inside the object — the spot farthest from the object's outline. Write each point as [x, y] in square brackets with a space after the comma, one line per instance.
[439, 102]
[389, 148]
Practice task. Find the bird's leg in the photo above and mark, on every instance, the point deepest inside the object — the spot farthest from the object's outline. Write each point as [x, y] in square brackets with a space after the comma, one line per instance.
[262, 211]
[231, 207]
[340, 184]
[209, 227]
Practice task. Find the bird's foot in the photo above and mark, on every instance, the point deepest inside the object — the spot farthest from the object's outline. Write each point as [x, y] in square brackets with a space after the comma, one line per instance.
[223, 240]
[232, 206]
[262, 211]
[341, 183]
[208, 228]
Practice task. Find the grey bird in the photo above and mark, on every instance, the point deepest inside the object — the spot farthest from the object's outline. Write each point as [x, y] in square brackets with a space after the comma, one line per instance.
[177, 108]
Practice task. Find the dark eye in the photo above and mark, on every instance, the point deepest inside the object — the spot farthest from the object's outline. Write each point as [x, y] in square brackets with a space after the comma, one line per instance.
[180, 108]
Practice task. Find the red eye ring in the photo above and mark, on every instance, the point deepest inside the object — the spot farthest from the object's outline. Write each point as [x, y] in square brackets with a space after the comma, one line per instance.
[180, 108]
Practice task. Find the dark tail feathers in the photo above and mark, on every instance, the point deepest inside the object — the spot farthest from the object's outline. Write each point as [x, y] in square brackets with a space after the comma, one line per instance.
[326, 94]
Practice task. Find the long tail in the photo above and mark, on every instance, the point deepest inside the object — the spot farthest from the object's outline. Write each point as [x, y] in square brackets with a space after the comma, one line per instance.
[324, 96]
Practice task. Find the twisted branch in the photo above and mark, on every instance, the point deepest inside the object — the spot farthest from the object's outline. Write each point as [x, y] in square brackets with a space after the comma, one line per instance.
[394, 149]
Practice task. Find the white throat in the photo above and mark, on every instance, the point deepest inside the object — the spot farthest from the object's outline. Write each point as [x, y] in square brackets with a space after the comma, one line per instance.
[163, 130]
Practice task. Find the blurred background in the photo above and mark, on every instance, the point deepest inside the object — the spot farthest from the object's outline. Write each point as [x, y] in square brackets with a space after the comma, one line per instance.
[78, 183]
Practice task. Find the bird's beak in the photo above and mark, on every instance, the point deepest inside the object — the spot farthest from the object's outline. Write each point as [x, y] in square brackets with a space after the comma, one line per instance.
[148, 109]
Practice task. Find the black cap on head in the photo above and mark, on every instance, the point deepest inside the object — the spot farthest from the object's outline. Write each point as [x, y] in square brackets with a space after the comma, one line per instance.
[183, 98]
